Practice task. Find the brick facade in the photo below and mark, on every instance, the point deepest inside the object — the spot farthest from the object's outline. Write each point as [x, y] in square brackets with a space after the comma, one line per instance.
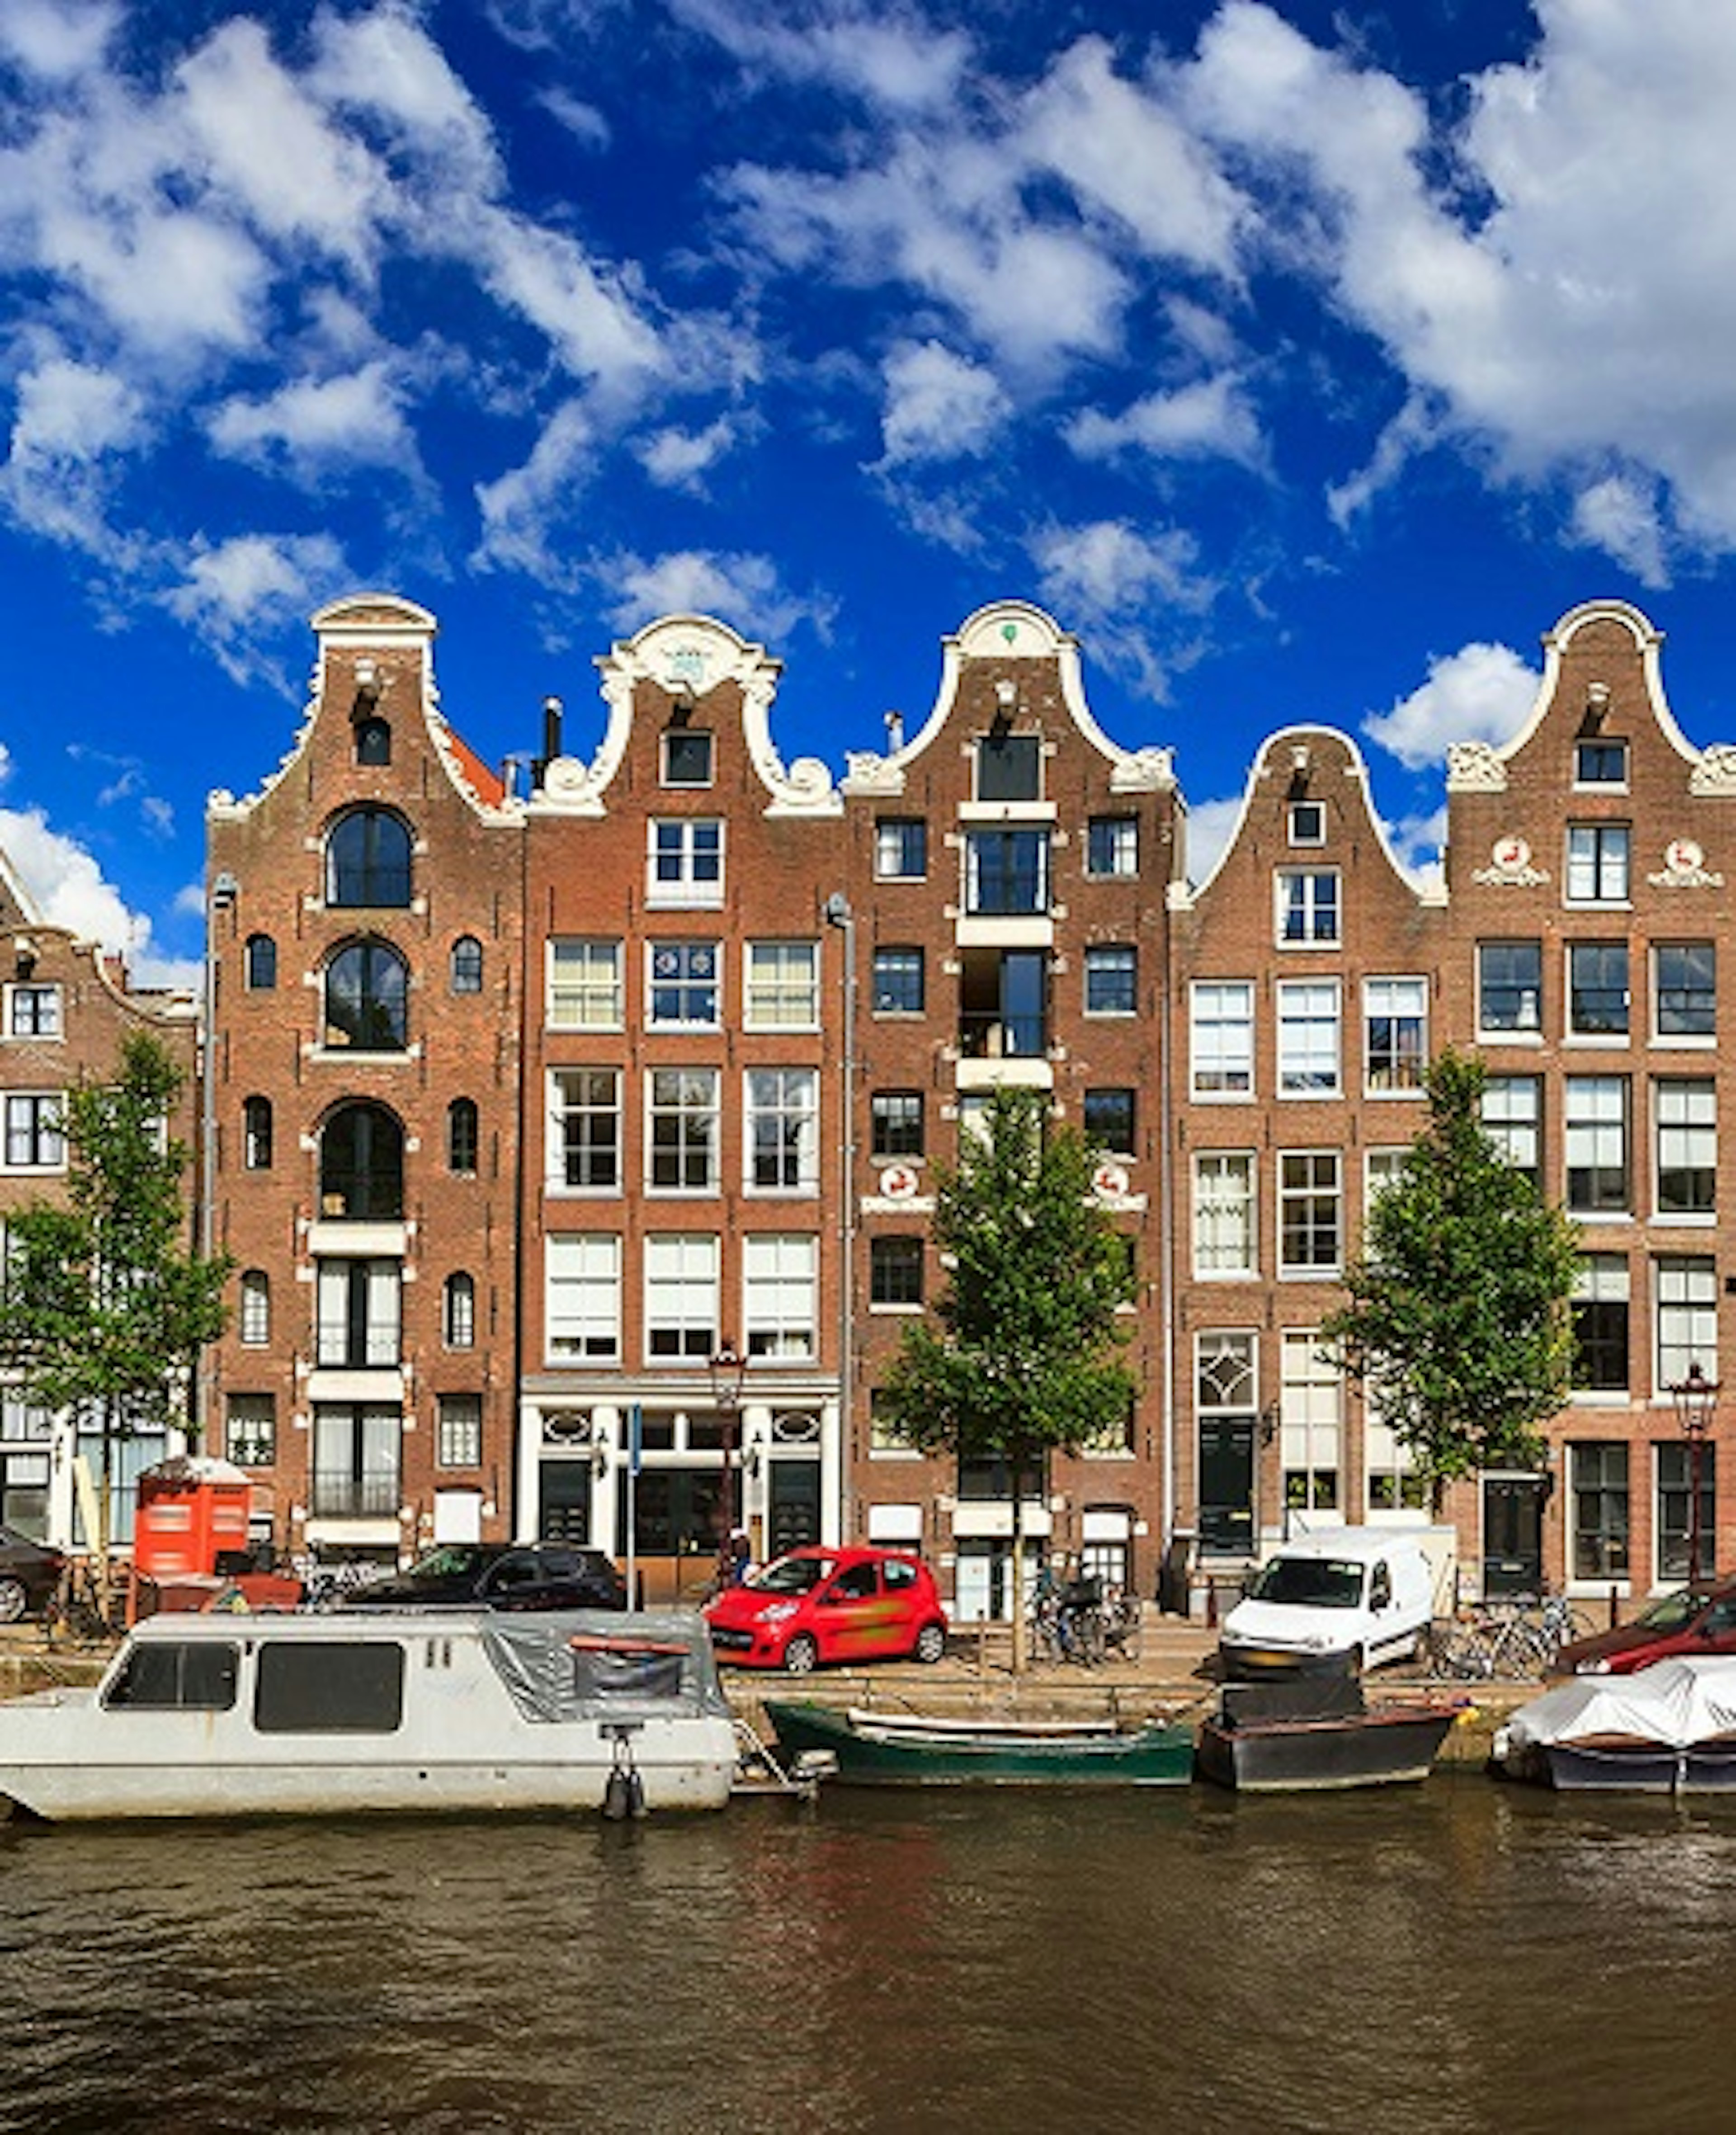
[722, 1015]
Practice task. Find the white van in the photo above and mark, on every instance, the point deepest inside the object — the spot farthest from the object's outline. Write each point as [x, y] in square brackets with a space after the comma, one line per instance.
[1339, 1598]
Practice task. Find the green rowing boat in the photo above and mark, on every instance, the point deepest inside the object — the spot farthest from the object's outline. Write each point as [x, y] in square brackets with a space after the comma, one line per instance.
[878, 1749]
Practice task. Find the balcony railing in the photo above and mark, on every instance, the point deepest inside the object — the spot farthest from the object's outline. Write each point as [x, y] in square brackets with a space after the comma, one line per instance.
[339, 1495]
[991, 1036]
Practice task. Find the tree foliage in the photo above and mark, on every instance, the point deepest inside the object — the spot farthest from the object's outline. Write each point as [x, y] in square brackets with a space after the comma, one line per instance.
[1458, 1326]
[105, 1305]
[1021, 1354]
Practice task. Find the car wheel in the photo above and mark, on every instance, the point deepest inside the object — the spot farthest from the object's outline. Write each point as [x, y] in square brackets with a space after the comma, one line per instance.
[13, 1601]
[800, 1656]
[1354, 1661]
[931, 1643]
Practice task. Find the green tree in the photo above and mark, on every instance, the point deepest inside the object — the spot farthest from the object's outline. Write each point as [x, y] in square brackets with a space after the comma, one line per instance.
[1020, 1358]
[105, 1306]
[1459, 1326]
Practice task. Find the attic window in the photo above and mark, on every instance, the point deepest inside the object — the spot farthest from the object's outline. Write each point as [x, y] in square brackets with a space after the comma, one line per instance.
[373, 740]
[1600, 763]
[1307, 823]
[686, 756]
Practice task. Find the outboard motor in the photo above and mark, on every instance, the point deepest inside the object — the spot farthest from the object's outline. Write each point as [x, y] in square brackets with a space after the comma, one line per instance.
[623, 1791]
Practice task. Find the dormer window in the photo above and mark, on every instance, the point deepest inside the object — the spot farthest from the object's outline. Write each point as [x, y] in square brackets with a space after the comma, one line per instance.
[686, 756]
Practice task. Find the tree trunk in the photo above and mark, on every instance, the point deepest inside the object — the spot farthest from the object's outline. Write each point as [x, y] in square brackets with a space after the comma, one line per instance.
[1021, 1641]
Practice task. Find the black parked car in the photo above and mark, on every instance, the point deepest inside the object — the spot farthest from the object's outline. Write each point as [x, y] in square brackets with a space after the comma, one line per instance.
[29, 1573]
[499, 1575]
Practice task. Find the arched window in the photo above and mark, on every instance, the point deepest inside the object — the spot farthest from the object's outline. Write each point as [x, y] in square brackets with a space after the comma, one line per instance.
[367, 988]
[459, 1311]
[256, 1325]
[261, 963]
[373, 741]
[463, 1134]
[368, 859]
[361, 1165]
[467, 965]
[256, 1133]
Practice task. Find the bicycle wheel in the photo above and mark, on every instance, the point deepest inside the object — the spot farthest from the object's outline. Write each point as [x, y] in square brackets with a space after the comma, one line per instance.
[1457, 1651]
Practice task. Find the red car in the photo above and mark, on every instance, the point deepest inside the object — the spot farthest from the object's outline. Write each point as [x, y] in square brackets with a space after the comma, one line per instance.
[830, 1605]
[1680, 1625]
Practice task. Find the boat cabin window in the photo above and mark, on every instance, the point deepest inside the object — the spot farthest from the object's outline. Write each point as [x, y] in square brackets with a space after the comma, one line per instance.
[1309, 1582]
[318, 1686]
[194, 1677]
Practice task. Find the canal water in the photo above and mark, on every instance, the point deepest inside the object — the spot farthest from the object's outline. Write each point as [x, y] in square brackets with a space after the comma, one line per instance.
[1461, 1957]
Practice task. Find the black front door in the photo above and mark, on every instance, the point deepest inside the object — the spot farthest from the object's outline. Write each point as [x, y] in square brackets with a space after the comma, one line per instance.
[1513, 1533]
[1226, 1487]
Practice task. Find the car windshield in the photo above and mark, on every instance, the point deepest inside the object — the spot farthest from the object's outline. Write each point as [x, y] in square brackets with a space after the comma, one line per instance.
[791, 1574]
[453, 1562]
[1312, 1582]
[1669, 1612]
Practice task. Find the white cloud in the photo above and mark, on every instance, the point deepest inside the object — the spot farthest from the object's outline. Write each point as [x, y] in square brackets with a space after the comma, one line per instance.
[1124, 152]
[1108, 578]
[744, 591]
[679, 459]
[889, 57]
[1211, 418]
[521, 508]
[57, 42]
[1621, 516]
[1210, 823]
[939, 405]
[240, 596]
[1480, 693]
[312, 424]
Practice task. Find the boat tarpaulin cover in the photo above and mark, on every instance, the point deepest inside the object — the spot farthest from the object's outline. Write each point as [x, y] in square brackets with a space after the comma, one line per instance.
[585, 1665]
[1673, 1701]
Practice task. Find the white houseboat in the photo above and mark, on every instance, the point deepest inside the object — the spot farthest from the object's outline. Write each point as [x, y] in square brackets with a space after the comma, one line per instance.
[239, 1715]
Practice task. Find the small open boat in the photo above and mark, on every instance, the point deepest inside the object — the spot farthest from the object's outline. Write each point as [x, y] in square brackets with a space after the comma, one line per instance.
[1319, 1732]
[874, 1748]
[1667, 1729]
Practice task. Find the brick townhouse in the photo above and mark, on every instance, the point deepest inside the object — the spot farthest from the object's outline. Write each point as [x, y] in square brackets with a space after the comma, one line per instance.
[526, 1107]
[65, 1009]
[366, 950]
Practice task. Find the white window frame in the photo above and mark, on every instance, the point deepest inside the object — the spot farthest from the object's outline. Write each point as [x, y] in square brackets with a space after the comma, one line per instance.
[383, 1317]
[1685, 1138]
[1117, 962]
[1596, 1112]
[1599, 864]
[781, 986]
[691, 1099]
[1325, 1183]
[1311, 1420]
[1687, 1040]
[1685, 1318]
[1519, 1127]
[1221, 1040]
[1403, 1005]
[459, 1430]
[41, 1030]
[785, 1102]
[584, 980]
[570, 1101]
[682, 1296]
[253, 1321]
[1310, 1038]
[670, 966]
[683, 862]
[780, 1296]
[581, 1298]
[457, 1311]
[1303, 917]
[1226, 1216]
[35, 1140]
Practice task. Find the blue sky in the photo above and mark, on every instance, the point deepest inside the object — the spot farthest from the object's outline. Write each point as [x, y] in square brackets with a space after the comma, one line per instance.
[1308, 361]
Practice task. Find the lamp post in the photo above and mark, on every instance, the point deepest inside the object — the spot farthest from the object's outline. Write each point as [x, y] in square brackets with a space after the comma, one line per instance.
[728, 1371]
[1696, 1398]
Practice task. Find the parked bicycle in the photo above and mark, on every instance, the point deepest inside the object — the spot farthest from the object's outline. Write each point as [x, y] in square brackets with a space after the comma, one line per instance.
[1086, 1628]
[1511, 1639]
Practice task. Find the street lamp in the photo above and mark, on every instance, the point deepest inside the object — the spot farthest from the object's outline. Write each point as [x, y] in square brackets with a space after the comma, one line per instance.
[728, 1371]
[1696, 1398]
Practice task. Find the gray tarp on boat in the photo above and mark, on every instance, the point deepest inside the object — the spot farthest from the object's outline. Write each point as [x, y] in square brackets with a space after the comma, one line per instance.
[1675, 1702]
[591, 1665]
